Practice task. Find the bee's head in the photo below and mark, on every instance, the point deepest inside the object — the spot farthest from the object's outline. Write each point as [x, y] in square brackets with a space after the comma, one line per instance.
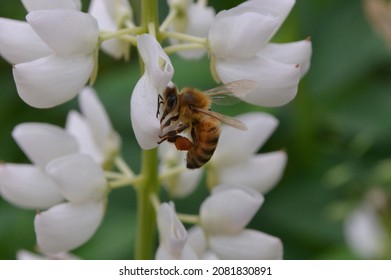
[169, 101]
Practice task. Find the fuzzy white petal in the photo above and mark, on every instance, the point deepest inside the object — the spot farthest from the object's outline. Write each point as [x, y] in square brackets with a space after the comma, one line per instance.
[279, 8]
[78, 177]
[197, 240]
[107, 15]
[77, 126]
[172, 233]
[236, 146]
[52, 80]
[19, 43]
[143, 108]
[292, 53]
[247, 245]
[217, 218]
[277, 82]
[240, 35]
[66, 32]
[43, 142]
[27, 186]
[32, 5]
[96, 116]
[157, 64]
[67, 226]
[261, 172]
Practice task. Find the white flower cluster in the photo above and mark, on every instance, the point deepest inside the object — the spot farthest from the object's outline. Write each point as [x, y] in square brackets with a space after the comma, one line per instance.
[66, 179]
[55, 53]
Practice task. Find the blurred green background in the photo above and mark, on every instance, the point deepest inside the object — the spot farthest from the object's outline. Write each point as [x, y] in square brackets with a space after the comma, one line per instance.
[336, 133]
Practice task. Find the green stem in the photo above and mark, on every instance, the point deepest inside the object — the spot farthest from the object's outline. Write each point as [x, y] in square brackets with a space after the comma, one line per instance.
[182, 47]
[146, 216]
[149, 10]
[149, 181]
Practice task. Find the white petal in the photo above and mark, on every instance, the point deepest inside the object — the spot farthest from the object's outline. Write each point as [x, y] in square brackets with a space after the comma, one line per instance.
[52, 80]
[364, 232]
[32, 5]
[197, 240]
[247, 245]
[19, 43]
[240, 33]
[144, 100]
[108, 14]
[78, 177]
[66, 32]
[279, 8]
[67, 226]
[172, 233]
[96, 116]
[261, 172]
[277, 82]
[77, 126]
[217, 218]
[236, 146]
[27, 186]
[157, 64]
[43, 142]
[292, 53]
[143, 108]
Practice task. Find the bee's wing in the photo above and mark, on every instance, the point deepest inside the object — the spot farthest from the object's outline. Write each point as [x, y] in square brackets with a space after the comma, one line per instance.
[223, 118]
[230, 93]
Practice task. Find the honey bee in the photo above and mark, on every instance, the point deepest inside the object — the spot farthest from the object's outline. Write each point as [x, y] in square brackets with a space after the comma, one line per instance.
[189, 111]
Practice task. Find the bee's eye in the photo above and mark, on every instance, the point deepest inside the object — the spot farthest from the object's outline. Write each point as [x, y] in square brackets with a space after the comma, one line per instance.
[171, 99]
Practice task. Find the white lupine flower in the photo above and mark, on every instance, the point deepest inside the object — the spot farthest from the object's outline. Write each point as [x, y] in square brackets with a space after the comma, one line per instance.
[239, 47]
[235, 160]
[364, 232]
[179, 184]
[194, 19]
[173, 235]
[18, 41]
[57, 77]
[93, 129]
[157, 75]
[111, 15]
[27, 185]
[222, 233]
[68, 225]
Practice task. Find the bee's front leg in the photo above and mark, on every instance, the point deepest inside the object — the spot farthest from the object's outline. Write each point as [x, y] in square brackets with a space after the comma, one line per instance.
[172, 135]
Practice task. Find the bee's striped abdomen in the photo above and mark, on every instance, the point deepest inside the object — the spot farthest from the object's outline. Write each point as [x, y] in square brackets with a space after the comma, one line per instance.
[205, 136]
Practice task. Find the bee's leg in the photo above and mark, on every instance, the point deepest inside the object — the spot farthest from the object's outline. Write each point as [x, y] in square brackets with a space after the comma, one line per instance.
[159, 103]
[171, 119]
[172, 135]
